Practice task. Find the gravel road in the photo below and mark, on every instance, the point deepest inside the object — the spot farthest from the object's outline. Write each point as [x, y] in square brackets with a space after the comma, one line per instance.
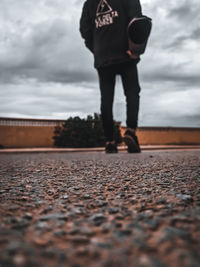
[94, 209]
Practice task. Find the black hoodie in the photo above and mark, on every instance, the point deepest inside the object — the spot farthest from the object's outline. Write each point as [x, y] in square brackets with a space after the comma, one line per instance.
[103, 25]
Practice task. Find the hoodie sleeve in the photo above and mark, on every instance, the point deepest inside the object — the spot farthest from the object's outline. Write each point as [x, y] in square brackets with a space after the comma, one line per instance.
[134, 8]
[86, 27]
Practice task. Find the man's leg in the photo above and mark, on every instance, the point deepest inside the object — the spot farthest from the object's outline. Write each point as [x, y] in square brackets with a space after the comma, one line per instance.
[107, 85]
[131, 90]
[131, 87]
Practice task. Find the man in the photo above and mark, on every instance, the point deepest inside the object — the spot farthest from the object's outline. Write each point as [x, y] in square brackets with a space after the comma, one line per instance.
[103, 25]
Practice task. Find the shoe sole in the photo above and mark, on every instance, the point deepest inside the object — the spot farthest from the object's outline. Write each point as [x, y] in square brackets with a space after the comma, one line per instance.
[132, 146]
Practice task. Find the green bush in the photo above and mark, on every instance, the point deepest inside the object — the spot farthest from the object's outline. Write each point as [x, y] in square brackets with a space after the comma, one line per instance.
[78, 132]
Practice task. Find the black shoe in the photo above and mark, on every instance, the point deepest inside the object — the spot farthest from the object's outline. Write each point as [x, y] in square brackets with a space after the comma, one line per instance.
[131, 141]
[111, 148]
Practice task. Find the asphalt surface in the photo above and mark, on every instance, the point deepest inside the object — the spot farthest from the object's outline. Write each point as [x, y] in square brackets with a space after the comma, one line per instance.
[94, 209]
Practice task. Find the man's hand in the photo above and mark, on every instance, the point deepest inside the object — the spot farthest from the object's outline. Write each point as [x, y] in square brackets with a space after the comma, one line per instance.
[132, 55]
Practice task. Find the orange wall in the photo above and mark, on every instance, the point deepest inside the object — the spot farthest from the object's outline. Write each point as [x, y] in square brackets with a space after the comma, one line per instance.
[40, 136]
[26, 136]
[167, 136]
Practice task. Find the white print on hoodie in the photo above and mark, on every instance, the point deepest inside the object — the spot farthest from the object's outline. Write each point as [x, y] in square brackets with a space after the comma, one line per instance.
[105, 14]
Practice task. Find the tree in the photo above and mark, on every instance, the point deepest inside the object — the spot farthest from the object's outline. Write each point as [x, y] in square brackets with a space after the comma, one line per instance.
[77, 132]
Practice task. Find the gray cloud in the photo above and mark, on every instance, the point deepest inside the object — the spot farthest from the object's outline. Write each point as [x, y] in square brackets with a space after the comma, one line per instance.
[50, 52]
[195, 35]
[182, 10]
[173, 76]
[180, 40]
[186, 12]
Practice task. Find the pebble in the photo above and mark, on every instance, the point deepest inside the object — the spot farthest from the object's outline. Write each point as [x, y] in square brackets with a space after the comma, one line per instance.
[19, 259]
[180, 179]
[80, 240]
[87, 196]
[161, 201]
[98, 217]
[172, 233]
[101, 203]
[113, 210]
[40, 241]
[54, 216]
[21, 224]
[42, 226]
[60, 233]
[185, 197]
[122, 234]
[28, 216]
[148, 261]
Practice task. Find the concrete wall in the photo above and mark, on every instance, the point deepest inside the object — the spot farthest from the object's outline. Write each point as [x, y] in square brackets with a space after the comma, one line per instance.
[41, 136]
[26, 136]
[167, 136]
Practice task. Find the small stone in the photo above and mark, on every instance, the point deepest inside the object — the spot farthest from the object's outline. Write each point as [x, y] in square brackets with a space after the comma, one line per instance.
[13, 207]
[119, 217]
[87, 196]
[40, 242]
[42, 226]
[171, 233]
[39, 202]
[106, 228]
[139, 243]
[50, 192]
[133, 201]
[76, 188]
[19, 260]
[80, 240]
[101, 203]
[87, 232]
[153, 223]
[180, 179]
[14, 219]
[185, 197]
[28, 216]
[60, 233]
[118, 225]
[161, 201]
[113, 210]
[122, 234]
[47, 209]
[98, 217]
[104, 245]
[148, 261]
[21, 224]
[54, 216]
[74, 231]
[78, 211]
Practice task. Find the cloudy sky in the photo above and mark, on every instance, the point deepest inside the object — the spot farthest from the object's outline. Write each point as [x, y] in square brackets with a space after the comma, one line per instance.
[46, 72]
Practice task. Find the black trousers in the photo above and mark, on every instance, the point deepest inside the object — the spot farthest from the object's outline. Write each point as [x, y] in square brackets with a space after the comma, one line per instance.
[129, 76]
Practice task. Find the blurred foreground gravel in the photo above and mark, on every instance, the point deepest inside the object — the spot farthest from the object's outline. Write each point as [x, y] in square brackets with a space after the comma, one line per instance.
[92, 209]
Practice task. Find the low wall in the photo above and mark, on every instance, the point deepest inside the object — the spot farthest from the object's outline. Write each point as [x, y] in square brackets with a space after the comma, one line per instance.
[26, 136]
[167, 136]
[41, 136]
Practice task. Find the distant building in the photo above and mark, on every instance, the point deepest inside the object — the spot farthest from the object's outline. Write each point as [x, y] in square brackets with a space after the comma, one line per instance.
[30, 122]
[25, 133]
